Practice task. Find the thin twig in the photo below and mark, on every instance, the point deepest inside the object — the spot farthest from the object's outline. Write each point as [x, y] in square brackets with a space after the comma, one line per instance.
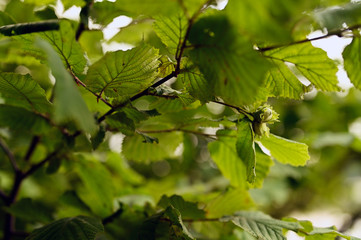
[33, 144]
[338, 33]
[135, 97]
[112, 217]
[35, 167]
[10, 155]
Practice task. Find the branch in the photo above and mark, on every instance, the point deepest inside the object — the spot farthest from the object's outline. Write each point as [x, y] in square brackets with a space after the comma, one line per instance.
[135, 97]
[338, 33]
[10, 155]
[33, 144]
[24, 28]
[112, 217]
[35, 167]
[201, 220]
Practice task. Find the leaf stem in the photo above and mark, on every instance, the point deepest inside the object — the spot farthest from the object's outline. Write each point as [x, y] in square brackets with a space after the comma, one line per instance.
[10, 155]
[112, 217]
[79, 82]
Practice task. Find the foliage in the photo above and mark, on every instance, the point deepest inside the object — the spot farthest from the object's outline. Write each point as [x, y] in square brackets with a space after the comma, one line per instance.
[178, 137]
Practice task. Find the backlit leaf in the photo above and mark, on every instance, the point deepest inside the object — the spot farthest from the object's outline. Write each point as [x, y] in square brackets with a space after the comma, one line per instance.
[229, 63]
[310, 61]
[286, 151]
[135, 148]
[224, 154]
[123, 73]
[171, 30]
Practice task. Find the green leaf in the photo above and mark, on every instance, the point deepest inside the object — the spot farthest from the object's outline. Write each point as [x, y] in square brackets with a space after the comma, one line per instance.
[97, 190]
[149, 7]
[69, 3]
[135, 148]
[228, 61]
[352, 61]
[229, 202]
[29, 210]
[75, 228]
[187, 209]
[135, 33]
[23, 91]
[224, 154]
[310, 61]
[6, 19]
[120, 122]
[286, 151]
[171, 30]
[195, 82]
[262, 226]
[262, 20]
[264, 163]
[281, 82]
[68, 103]
[334, 18]
[22, 120]
[90, 41]
[98, 138]
[64, 43]
[175, 217]
[245, 148]
[123, 73]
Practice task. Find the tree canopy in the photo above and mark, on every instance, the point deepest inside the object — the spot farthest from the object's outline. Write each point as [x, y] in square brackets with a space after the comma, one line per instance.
[221, 120]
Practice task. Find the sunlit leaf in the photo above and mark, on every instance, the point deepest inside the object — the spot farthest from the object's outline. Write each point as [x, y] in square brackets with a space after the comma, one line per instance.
[224, 154]
[123, 73]
[229, 63]
[286, 151]
[229, 202]
[75, 228]
[135, 148]
[171, 30]
[310, 61]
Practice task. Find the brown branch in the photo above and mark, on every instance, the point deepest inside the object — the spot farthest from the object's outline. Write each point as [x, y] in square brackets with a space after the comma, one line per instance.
[201, 220]
[135, 97]
[35, 167]
[338, 33]
[112, 217]
[33, 144]
[10, 155]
